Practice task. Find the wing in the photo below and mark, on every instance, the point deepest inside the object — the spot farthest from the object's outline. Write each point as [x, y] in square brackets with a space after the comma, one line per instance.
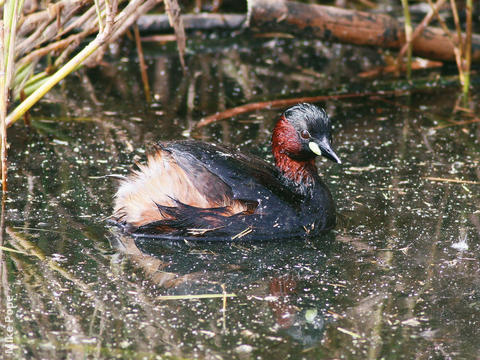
[249, 178]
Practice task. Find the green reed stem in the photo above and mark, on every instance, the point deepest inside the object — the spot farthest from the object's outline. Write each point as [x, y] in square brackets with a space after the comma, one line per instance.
[468, 48]
[11, 12]
[65, 70]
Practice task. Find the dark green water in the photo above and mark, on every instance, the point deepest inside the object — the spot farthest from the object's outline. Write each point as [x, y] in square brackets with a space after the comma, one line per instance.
[398, 278]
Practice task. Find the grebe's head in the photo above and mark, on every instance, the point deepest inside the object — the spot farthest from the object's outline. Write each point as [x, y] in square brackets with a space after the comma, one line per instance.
[303, 132]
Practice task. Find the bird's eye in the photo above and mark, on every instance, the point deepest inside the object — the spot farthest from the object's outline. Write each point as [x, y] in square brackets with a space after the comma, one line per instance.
[305, 134]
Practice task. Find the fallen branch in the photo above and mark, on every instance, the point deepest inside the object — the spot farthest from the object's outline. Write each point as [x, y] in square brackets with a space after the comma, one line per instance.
[350, 26]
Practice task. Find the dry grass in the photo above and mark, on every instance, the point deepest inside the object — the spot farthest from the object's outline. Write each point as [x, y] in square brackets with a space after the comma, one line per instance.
[38, 41]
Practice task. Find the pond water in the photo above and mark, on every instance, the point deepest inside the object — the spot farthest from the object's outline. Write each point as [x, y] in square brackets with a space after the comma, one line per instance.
[398, 278]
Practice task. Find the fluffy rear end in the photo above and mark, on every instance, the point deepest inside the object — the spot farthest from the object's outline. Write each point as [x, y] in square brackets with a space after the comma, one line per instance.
[165, 182]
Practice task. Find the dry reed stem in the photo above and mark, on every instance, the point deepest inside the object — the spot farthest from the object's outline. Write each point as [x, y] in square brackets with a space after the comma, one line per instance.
[84, 21]
[143, 66]
[130, 13]
[31, 21]
[3, 105]
[195, 297]
[173, 11]
[55, 46]
[44, 30]
[114, 27]
[408, 37]
[224, 307]
[448, 180]
[457, 47]
[456, 20]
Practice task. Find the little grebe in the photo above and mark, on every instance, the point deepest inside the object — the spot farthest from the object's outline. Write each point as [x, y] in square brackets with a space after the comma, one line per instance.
[193, 190]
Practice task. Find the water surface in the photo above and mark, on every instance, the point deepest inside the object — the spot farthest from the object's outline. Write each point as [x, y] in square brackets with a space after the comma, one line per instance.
[398, 278]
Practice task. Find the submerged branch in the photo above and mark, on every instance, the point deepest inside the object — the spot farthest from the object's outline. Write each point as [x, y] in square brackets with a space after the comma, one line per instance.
[285, 102]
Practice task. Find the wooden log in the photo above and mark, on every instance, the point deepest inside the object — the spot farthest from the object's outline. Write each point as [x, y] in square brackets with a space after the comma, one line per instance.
[350, 26]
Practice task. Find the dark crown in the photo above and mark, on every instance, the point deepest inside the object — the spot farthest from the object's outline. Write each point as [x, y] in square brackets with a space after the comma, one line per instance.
[308, 116]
